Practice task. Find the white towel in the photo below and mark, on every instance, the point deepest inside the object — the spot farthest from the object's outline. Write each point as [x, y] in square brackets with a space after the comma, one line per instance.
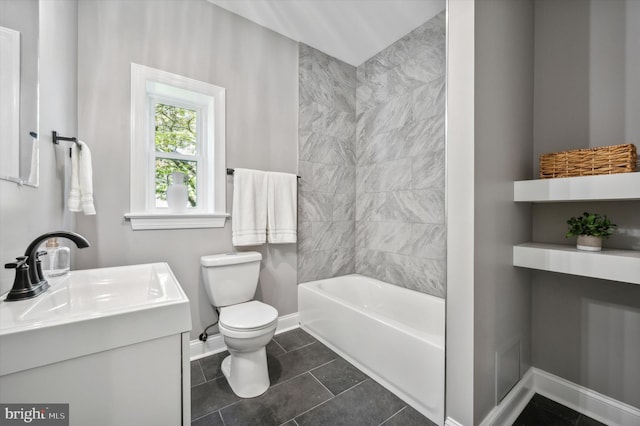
[282, 208]
[81, 193]
[249, 215]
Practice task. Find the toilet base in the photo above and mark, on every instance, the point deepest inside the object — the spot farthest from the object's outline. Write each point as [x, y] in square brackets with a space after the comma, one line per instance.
[247, 373]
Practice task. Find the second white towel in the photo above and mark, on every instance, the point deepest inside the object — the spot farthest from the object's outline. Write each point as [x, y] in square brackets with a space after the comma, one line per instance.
[282, 208]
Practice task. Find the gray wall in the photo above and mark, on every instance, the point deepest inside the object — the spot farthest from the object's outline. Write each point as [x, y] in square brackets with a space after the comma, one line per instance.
[503, 150]
[561, 77]
[586, 67]
[400, 149]
[28, 212]
[327, 126]
[587, 330]
[194, 38]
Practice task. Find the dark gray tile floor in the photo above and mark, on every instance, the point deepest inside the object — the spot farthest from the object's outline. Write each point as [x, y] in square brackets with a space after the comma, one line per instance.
[544, 411]
[310, 385]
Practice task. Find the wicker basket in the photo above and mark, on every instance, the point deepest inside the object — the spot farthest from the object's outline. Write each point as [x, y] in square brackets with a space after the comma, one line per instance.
[586, 162]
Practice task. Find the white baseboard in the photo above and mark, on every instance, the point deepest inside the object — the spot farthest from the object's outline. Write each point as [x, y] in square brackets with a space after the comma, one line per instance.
[451, 422]
[199, 349]
[589, 402]
[513, 403]
[287, 322]
[215, 343]
[586, 401]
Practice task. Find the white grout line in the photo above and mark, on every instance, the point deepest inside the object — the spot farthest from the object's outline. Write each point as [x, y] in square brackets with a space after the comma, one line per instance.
[357, 384]
[210, 413]
[201, 372]
[219, 410]
[291, 378]
[393, 415]
[313, 408]
[304, 372]
[324, 402]
[221, 418]
[299, 347]
[322, 365]
[280, 346]
[322, 384]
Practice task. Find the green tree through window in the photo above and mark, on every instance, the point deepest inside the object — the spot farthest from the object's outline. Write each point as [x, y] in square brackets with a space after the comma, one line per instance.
[175, 133]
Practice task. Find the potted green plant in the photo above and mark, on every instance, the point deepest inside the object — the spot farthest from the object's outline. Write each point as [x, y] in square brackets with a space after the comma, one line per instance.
[590, 228]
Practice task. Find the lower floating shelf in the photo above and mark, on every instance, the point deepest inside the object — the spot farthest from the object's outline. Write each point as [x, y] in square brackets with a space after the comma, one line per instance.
[615, 265]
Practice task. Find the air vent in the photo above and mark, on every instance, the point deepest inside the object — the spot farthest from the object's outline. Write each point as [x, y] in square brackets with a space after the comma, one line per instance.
[507, 368]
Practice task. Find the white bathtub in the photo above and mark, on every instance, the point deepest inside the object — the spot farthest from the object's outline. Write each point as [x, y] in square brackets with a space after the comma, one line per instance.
[393, 334]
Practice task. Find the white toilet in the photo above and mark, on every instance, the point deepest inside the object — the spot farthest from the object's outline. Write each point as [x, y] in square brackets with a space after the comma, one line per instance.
[246, 325]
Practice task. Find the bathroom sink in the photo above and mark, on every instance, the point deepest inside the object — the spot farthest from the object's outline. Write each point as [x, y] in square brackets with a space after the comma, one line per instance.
[89, 311]
[97, 292]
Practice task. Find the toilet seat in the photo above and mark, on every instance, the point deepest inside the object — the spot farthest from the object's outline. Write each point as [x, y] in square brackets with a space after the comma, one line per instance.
[248, 316]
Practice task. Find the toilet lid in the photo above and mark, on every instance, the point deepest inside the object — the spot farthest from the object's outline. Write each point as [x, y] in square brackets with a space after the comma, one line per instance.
[248, 316]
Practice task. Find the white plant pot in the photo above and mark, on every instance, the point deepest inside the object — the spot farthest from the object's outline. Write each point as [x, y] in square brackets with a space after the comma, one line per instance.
[589, 243]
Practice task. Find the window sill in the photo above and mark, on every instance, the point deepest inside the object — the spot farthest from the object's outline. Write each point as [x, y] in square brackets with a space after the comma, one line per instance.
[187, 220]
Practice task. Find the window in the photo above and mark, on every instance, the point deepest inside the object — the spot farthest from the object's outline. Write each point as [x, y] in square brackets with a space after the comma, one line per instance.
[177, 147]
[177, 125]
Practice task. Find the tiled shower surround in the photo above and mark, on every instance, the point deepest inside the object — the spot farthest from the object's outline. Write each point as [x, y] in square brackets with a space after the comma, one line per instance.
[327, 164]
[400, 151]
[372, 157]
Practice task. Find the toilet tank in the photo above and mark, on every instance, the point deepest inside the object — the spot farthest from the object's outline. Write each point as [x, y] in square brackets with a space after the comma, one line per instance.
[231, 278]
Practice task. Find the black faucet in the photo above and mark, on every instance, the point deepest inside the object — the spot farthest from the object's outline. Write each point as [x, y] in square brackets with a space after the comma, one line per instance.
[29, 280]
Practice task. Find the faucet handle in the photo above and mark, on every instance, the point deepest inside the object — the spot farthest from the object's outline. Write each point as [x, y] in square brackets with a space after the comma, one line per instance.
[36, 275]
[20, 263]
[22, 288]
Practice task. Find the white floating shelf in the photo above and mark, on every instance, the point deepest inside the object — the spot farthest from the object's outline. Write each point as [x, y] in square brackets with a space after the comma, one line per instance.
[621, 186]
[615, 265]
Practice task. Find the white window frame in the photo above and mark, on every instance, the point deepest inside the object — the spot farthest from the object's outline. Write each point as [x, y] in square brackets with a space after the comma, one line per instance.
[148, 86]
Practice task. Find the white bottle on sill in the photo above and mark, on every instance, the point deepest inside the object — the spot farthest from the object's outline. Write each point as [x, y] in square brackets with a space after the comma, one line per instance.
[177, 193]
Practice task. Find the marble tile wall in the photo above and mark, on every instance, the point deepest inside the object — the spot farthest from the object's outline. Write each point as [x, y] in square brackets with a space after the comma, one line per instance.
[400, 158]
[326, 144]
[372, 160]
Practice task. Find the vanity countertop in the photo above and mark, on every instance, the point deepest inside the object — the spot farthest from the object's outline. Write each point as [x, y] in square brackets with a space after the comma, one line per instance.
[89, 311]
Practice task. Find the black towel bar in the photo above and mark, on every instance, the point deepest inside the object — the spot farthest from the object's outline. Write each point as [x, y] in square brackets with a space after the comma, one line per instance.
[56, 139]
[231, 171]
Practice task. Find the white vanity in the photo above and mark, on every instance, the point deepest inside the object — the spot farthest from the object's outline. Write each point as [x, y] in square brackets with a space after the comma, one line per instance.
[113, 343]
